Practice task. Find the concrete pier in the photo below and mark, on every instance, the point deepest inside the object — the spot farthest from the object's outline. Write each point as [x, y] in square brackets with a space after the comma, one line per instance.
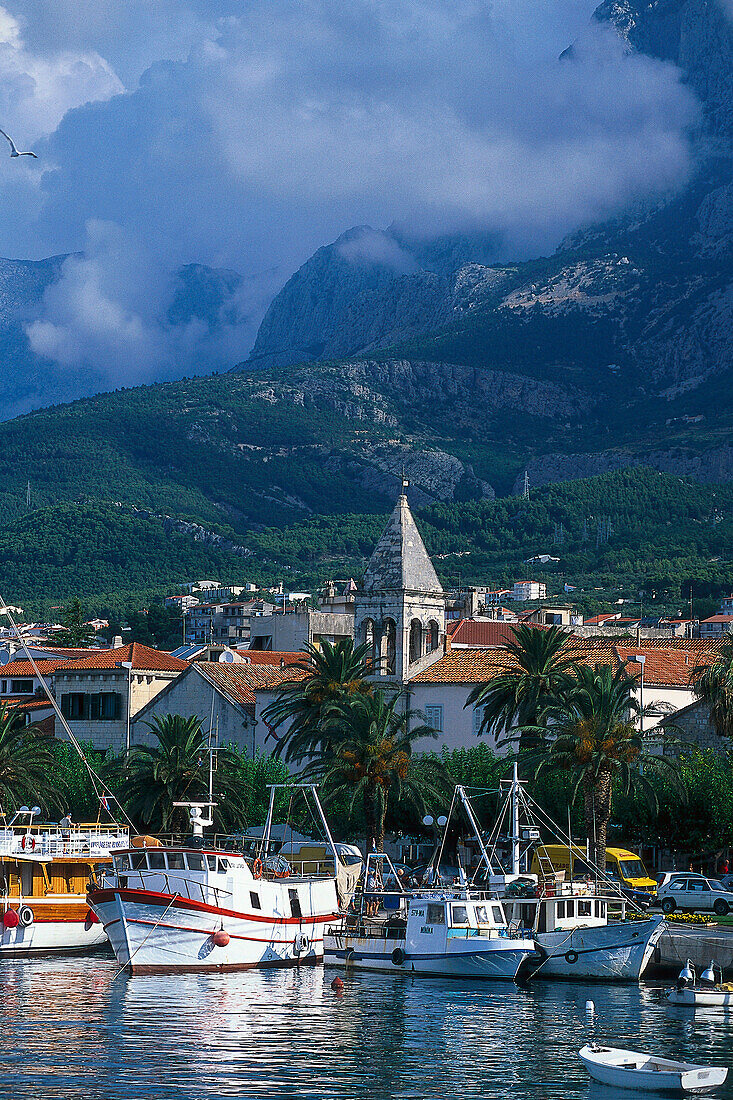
[699, 943]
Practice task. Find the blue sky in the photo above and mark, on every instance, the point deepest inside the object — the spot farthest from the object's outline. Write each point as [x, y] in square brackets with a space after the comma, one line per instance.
[245, 135]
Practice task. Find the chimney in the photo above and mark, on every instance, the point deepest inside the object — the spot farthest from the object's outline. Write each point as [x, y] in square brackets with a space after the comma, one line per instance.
[117, 641]
[282, 662]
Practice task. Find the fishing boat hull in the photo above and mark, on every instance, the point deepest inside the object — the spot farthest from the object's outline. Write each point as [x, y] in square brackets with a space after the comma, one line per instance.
[619, 951]
[702, 998]
[630, 1069]
[58, 926]
[152, 933]
[494, 960]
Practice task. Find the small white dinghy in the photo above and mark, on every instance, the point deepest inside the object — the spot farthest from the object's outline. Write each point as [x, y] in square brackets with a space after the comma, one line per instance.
[710, 993]
[631, 1069]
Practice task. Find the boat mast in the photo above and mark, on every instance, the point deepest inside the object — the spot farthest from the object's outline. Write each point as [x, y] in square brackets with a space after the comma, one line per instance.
[515, 838]
[475, 826]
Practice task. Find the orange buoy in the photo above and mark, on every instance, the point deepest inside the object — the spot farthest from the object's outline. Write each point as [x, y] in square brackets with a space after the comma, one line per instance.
[221, 938]
[337, 985]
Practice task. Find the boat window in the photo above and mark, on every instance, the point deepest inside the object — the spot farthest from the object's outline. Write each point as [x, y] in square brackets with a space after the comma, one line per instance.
[460, 914]
[222, 866]
[294, 902]
[560, 910]
[122, 863]
[212, 862]
[195, 861]
[175, 861]
[602, 909]
[497, 914]
[583, 908]
[482, 916]
[436, 914]
[156, 861]
[254, 900]
[571, 909]
[138, 862]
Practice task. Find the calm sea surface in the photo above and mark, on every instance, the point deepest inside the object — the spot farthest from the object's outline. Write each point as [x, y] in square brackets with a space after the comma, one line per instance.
[69, 1028]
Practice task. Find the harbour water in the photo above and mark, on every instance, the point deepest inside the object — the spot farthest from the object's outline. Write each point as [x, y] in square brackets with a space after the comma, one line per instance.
[71, 1029]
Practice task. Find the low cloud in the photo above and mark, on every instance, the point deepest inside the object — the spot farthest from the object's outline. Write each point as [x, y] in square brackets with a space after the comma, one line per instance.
[281, 125]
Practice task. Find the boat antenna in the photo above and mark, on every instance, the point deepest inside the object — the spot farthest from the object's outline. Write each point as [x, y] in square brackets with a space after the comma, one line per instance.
[96, 781]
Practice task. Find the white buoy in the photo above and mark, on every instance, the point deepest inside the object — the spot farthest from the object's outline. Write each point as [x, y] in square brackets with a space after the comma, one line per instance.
[590, 1008]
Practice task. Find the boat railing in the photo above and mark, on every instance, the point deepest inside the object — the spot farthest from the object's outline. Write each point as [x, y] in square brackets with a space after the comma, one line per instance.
[159, 881]
[53, 840]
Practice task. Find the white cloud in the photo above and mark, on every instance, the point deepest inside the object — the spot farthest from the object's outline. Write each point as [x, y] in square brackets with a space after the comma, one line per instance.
[287, 123]
[37, 89]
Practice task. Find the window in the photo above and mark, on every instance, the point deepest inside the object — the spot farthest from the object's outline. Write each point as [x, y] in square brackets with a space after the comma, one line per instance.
[122, 863]
[212, 862]
[195, 861]
[138, 862]
[571, 909]
[294, 902]
[560, 910]
[72, 705]
[482, 916]
[497, 914]
[254, 900]
[175, 861]
[156, 861]
[434, 718]
[105, 706]
[583, 908]
[436, 914]
[478, 717]
[21, 687]
[460, 914]
[5, 687]
[222, 866]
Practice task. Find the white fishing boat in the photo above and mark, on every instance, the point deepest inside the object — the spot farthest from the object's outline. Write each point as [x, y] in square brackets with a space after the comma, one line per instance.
[45, 870]
[711, 992]
[631, 1069]
[458, 933]
[580, 927]
[196, 907]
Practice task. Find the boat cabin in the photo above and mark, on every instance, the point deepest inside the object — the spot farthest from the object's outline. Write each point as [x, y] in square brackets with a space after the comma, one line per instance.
[562, 912]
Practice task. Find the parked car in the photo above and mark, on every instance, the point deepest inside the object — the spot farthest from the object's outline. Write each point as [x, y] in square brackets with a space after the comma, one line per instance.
[667, 876]
[694, 892]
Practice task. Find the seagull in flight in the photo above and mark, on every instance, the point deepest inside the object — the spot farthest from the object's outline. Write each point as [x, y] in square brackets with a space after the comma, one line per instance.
[13, 151]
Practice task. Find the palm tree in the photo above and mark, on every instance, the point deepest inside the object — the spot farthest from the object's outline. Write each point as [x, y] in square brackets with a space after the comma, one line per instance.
[533, 681]
[27, 772]
[713, 684]
[329, 674]
[593, 734]
[176, 769]
[368, 755]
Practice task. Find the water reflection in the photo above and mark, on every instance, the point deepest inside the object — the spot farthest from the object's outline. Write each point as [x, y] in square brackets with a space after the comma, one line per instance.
[71, 1029]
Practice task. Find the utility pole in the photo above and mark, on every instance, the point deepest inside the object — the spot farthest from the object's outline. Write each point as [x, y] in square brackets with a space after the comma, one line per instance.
[525, 490]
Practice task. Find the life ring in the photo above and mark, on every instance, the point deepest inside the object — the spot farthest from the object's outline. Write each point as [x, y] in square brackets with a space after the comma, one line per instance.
[28, 842]
[301, 943]
[283, 874]
[398, 956]
[25, 915]
[571, 957]
[257, 868]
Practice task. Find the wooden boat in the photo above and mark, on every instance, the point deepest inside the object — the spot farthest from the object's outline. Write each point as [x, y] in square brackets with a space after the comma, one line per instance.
[632, 1069]
[44, 873]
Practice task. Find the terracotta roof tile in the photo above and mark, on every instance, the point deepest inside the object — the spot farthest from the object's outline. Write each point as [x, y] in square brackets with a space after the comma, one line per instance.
[473, 632]
[143, 657]
[270, 656]
[240, 681]
[25, 668]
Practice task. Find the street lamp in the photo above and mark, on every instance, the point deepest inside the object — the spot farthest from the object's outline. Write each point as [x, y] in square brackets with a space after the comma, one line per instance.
[128, 666]
[640, 659]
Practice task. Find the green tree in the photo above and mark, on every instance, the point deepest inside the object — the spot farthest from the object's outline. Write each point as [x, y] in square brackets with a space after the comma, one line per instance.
[27, 773]
[76, 633]
[713, 685]
[593, 735]
[532, 683]
[176, 769]
[327, 676]
[367, 753]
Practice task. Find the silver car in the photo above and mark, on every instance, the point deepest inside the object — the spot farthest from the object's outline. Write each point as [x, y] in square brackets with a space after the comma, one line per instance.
[696, 893]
